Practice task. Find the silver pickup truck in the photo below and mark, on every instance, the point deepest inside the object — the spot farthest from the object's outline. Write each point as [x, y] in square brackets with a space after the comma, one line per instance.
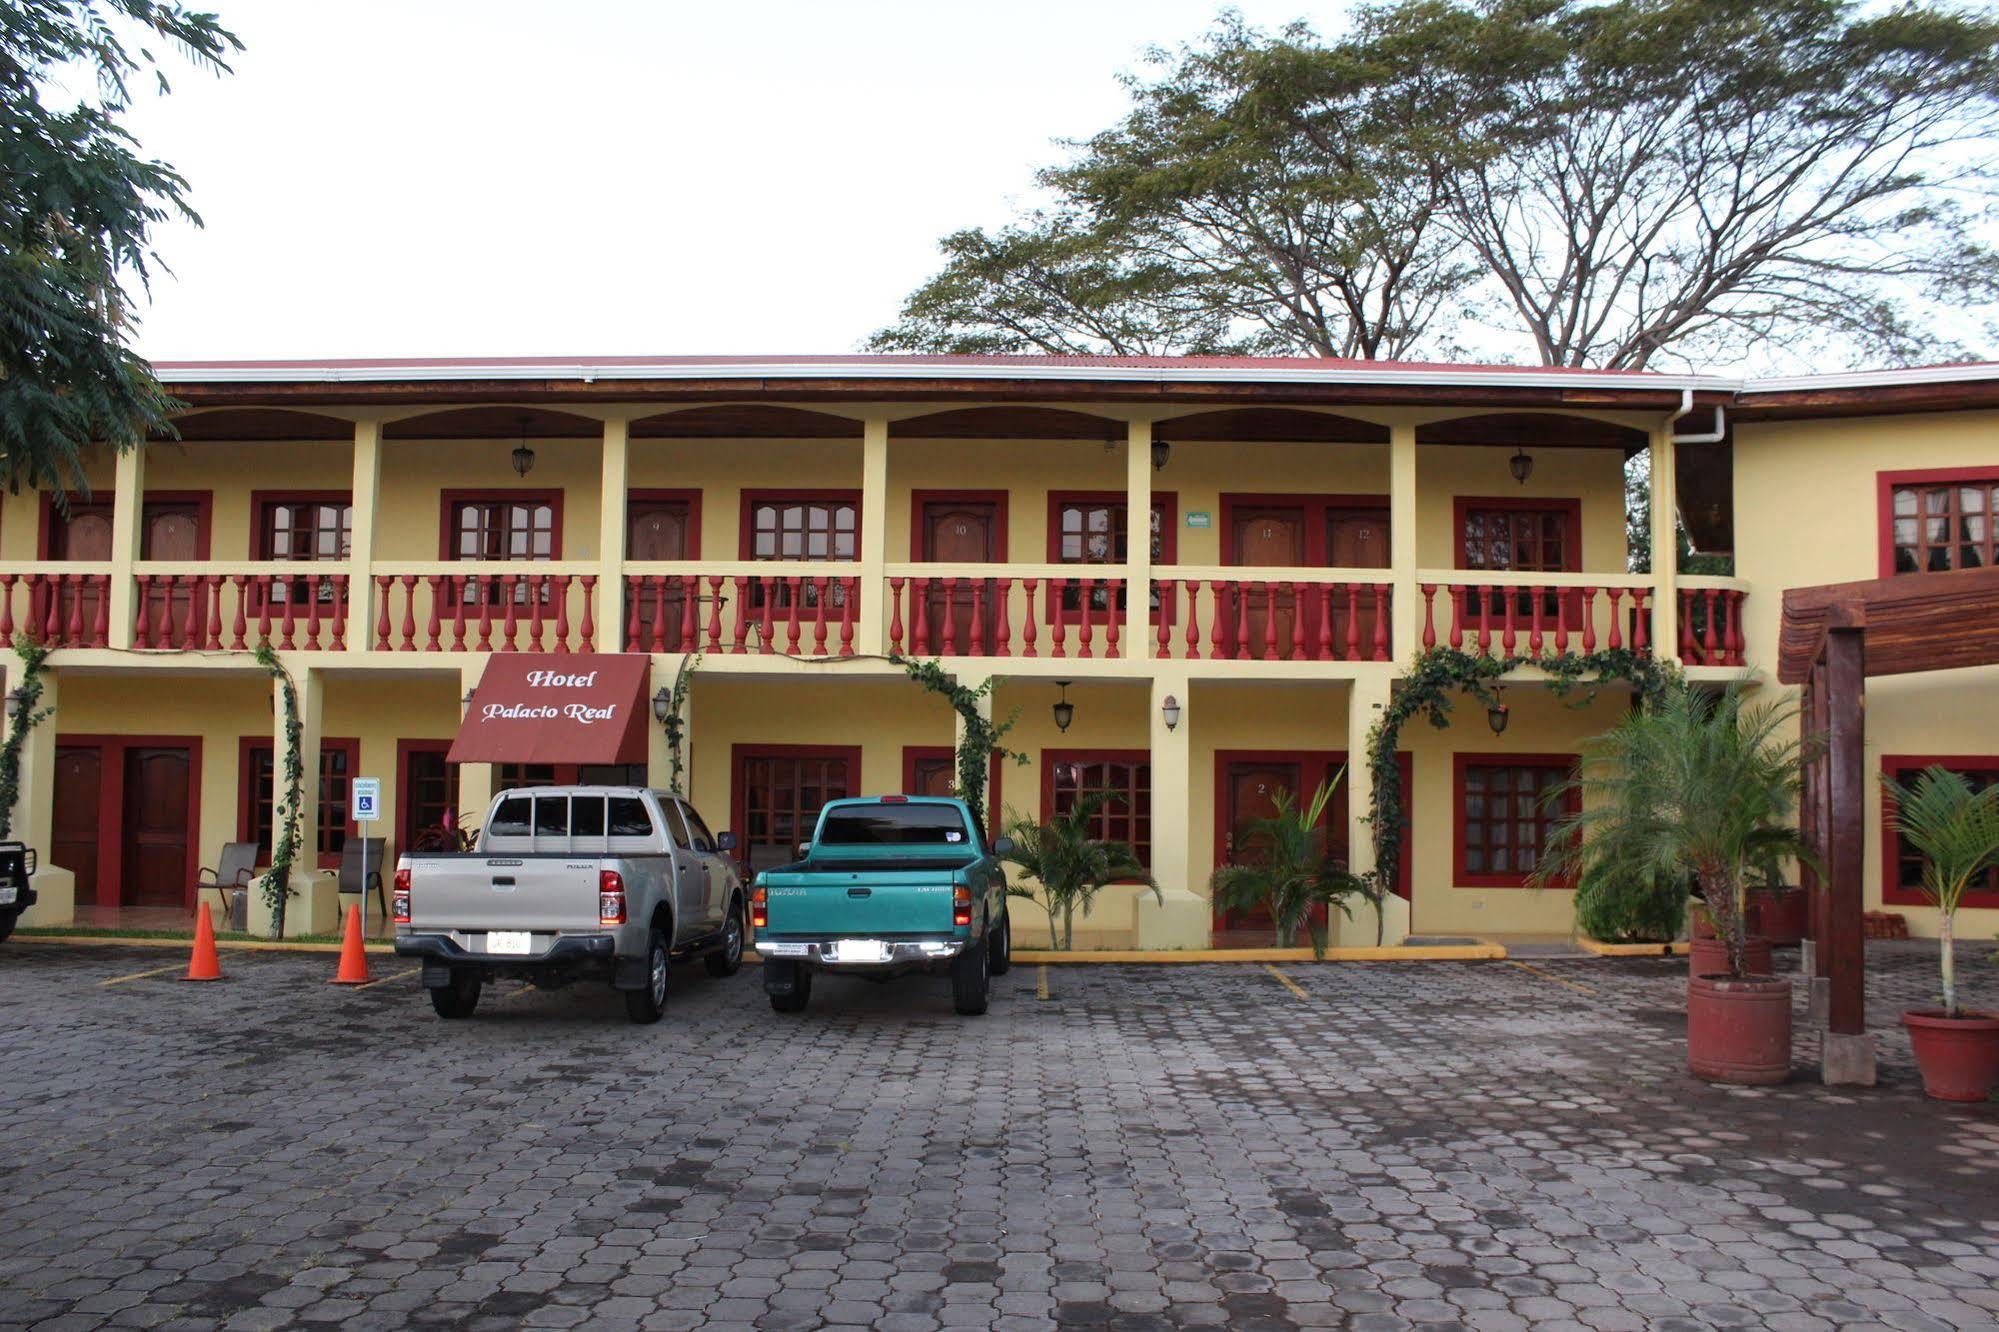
[568, 883]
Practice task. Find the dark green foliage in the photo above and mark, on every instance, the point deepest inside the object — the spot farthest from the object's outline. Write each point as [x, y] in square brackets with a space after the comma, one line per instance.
[981, 740]
[1614, 907]
[277, 881]
[77, 207]
[1294, 874]
[1070, 863]
[32, 655]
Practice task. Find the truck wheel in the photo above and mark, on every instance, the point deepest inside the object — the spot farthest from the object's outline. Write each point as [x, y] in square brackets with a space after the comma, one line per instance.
[728, 959]
[1001, 942]
[7, 923]
[789, 986]
[971, 980]
[649, 1004]
[458, 999]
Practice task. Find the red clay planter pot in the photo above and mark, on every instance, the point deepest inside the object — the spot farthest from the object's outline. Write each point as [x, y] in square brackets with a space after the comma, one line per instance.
[1739, 1031]
[1959, 1056]
[1783, 916]
[1709, 957]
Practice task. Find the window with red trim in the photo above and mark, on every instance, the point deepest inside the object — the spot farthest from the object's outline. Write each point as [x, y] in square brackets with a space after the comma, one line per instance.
[1520, 538]
[1505, 819]
[1068, 775]
[1943, 524]
[338, 761]
[305, 528]
[788, 527]
[503, 529]
[1096, 529]
[429, 789]
[1901, 866]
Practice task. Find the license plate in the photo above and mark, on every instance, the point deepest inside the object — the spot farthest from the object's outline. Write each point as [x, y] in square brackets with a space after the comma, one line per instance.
[860, 950]
[509, 941]
[8, 894]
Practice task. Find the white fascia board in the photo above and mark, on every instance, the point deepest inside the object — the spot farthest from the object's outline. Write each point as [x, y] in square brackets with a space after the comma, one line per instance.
[1863, 379]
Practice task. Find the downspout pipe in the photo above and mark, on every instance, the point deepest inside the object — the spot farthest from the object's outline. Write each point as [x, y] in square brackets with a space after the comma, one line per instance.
[1713, 436]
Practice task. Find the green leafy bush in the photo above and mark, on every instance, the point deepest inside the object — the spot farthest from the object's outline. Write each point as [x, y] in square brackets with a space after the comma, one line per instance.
[1625, 908]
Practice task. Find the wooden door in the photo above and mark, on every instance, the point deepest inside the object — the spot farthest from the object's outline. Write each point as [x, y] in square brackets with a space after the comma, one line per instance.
[1249, 792]
[79, 787]
[1356, 538]
[780, 796]
[1270, 536]
[661, 530]
[158, 816]
[83, 534]
[171, 530]
[957, 533]
[933, 777]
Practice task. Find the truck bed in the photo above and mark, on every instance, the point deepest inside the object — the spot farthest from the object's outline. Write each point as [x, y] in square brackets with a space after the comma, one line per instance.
[540, 892]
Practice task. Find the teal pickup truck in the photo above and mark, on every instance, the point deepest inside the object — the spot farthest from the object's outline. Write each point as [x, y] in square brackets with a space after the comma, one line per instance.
[888, 885]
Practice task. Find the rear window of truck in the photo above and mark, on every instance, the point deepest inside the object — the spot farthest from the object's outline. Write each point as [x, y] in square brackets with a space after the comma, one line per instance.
[894, 825]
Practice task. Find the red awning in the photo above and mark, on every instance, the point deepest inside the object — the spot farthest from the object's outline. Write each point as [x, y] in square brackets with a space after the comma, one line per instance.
[533, 707]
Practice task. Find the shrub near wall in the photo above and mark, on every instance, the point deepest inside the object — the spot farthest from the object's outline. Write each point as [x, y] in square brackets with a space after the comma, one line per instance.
[1614, 908]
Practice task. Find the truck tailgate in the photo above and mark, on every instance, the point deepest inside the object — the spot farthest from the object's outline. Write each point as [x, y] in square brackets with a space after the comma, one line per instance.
[858, 902]
[543, 893]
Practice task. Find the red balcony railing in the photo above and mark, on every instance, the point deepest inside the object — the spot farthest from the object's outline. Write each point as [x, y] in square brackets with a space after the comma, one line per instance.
[218, 612]
[1507, 618]
[1711, 626]
[57, 609]
[1273, 620]
[798, 615]
[486, 611]
[1005, 616]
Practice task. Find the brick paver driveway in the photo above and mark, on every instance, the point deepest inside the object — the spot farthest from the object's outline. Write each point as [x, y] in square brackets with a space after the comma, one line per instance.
[1449, 1145]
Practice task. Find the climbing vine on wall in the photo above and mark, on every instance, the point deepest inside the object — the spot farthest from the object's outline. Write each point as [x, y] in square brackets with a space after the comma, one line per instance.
[676, 723]
[1430, 688]
[32, 655]
[982, 736]
[277, 881]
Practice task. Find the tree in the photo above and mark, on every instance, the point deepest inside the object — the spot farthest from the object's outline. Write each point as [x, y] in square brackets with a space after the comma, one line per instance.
[77, 207]
[1698, 785]
[1956, 832]
[1071, 863]
[1293, 874]
[1572, 182]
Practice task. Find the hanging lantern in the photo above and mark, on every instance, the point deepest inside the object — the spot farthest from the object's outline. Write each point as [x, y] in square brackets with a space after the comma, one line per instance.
[1521, 464]
[1065, 711]
[523, 455]
[1161, 451]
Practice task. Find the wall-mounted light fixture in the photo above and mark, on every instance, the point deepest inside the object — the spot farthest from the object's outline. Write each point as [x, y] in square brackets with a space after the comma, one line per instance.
[523, 455]
[1169, 712]
[1496, 714]
[1065, 711]
[465, 703]
[1521, 464]
[1162, 452]
[662, 703]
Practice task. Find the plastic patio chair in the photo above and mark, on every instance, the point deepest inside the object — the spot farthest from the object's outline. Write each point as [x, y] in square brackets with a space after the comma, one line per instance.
[234, 869]
[350, 869]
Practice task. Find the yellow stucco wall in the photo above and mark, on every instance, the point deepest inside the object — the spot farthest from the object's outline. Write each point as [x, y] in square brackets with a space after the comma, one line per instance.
[722, 469]
[1807, 512]
[1594, 476]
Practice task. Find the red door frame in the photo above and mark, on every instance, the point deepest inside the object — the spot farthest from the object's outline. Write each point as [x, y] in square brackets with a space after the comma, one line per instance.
[1461, 763]
[404, 748]
[202, 500]
[921, 499]
[1885, 484]
[251, 743]
[1902, 767]
[691, 498]
[1306, 759]
[739, 795]
[1313, 508]
[914, 754]
[111, 807]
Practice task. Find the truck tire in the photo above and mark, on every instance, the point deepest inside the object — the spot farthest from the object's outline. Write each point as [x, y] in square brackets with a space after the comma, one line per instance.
[971, 980]
[649, 1004]
[1000, 940]
[728, 959]
[7, 922]
[458, 999]
[789, 986]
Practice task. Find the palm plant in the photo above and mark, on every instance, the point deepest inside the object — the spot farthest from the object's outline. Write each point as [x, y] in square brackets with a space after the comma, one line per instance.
[1699, 785]
[1956, 831]
[1070, 863]
[1295, 873]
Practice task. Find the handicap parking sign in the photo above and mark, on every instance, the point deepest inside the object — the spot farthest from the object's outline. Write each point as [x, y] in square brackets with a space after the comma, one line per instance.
[367, 793]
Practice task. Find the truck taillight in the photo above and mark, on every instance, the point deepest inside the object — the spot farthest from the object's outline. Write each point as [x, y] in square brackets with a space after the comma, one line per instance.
[402, 897]
[961, 906]
[610, 897]
[759, 909]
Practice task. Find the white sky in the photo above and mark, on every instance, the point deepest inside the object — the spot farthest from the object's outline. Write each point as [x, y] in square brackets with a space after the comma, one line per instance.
[499, 177]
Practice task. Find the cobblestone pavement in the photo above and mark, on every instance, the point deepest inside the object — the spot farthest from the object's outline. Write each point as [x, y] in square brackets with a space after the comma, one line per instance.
[1479, 1145]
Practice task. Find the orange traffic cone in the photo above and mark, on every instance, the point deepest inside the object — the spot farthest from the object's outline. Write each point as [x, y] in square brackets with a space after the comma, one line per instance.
[202, 963]
[353, 957]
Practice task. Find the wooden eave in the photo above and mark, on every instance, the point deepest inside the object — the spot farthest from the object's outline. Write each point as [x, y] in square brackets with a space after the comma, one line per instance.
[1963, 395]
[1911, 623]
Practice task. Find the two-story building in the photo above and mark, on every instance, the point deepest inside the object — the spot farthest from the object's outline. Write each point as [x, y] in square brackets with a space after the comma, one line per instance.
[1219, 567]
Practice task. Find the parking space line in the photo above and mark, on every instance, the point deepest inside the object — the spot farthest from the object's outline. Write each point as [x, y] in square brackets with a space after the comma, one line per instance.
[1548, 975]
[141, 975]
[1041, 982]
[1286, 981]
[400, 975]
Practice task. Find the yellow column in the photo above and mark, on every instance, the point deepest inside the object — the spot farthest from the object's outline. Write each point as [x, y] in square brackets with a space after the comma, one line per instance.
[1180, 917]
[1365, 702]
[315, 903]
[610, 610]
[34, 816]
[127, 506]
[1137, 628]
[367, 489]
[1406, 611]
[1665, 544]
[870, 621]
[475, 780]
[659, 756]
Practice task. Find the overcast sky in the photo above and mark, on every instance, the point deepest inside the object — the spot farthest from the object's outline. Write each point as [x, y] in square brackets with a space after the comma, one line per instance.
[449, 177]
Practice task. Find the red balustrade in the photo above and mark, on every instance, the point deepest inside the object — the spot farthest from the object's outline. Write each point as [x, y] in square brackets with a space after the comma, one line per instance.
[739, 614]
[1275, 621]
[1711, 626]
[235, 612]
[56, 609]
[525, 612]
[951, 616]
[1494, 618]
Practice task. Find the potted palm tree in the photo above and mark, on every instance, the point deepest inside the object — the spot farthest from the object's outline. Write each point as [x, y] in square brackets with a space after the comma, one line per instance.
[1956, 831]
[1294, 875]
[1699, 786]
[1070, 864]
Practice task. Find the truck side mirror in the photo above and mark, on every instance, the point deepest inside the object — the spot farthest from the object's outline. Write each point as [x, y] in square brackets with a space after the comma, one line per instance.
[1002, 845]
[725, 840]
[804, 850]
